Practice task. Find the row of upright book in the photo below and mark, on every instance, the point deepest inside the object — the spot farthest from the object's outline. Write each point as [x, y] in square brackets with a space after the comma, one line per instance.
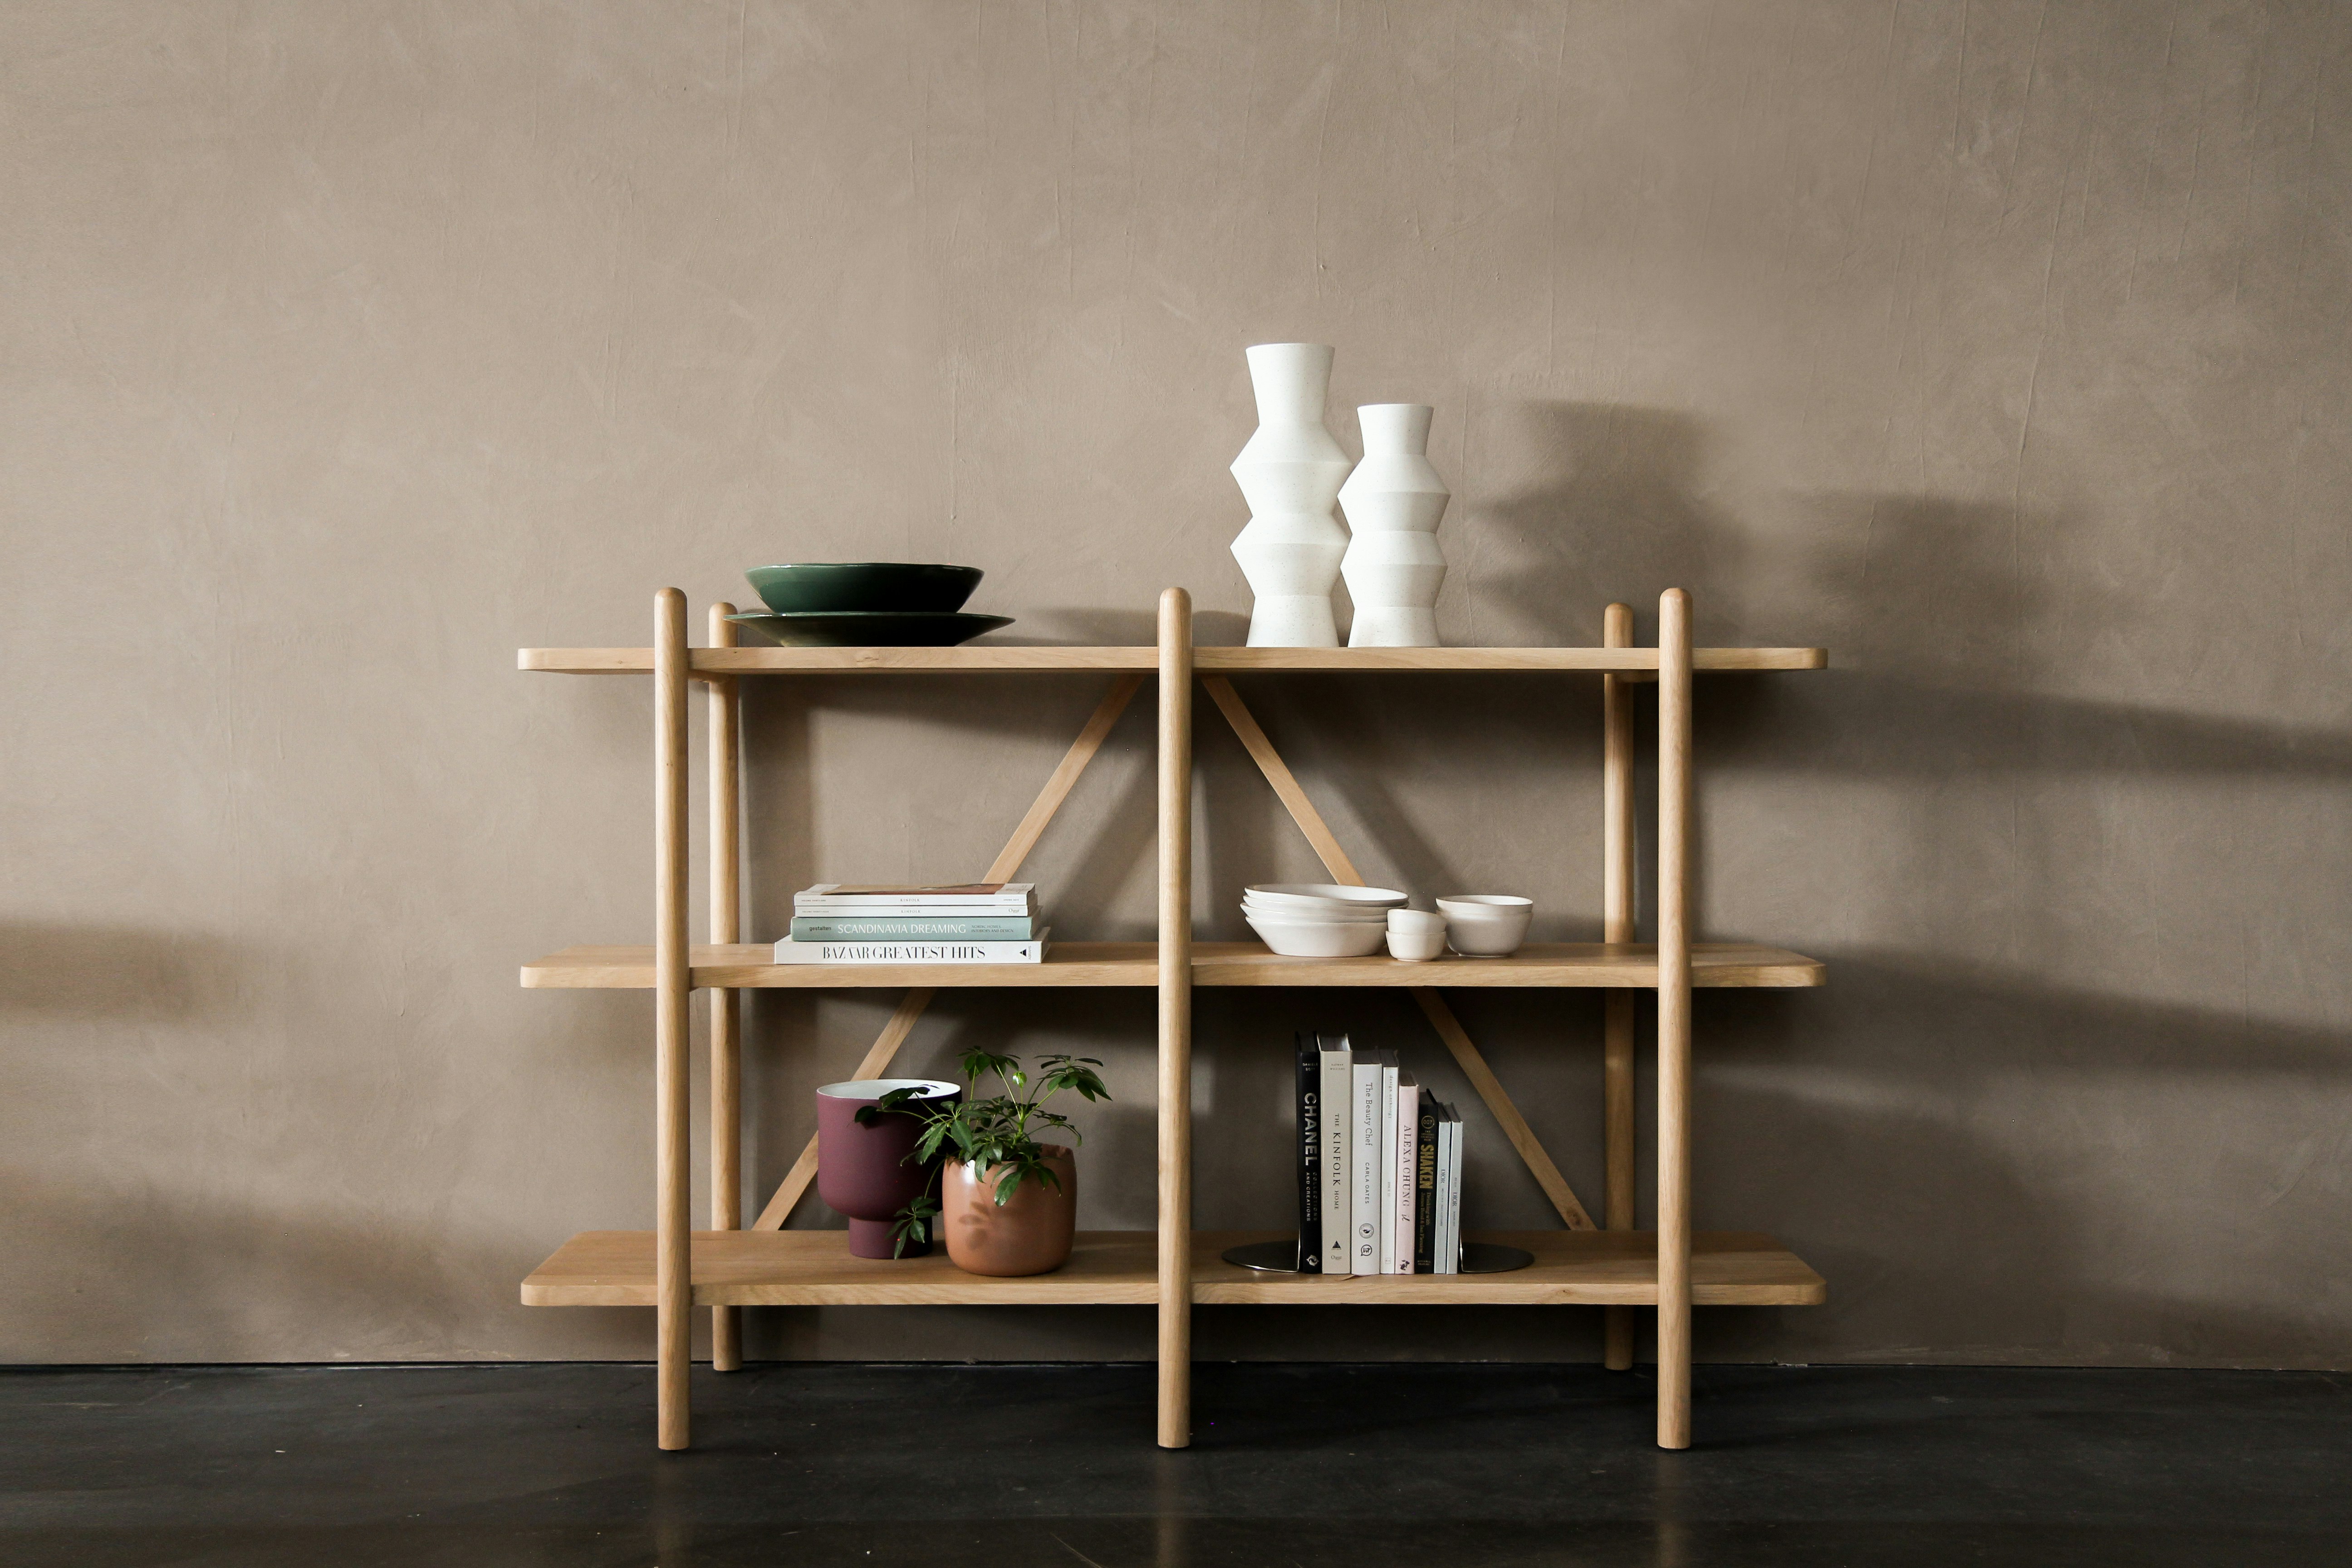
[1380, 1165]
[966, 922]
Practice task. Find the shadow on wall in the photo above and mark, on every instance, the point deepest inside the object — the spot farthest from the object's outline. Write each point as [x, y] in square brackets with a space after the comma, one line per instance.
[1618, 517]
[245, 1281]
[1964, 1104]
[1943, 638]
[1936, 629]
[1095, 627]
[116, 974]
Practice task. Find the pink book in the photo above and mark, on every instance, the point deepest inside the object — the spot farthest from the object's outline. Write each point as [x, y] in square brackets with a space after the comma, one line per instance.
[1408, 1144]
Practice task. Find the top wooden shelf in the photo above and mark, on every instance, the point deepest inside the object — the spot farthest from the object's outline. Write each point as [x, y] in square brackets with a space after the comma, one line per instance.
[973, 659]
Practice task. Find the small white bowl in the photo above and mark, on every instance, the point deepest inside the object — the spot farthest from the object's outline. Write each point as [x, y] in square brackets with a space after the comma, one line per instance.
[1416, 946]
[1416, 923]
[1308, 895]
[1487, 925]
[1300, 939]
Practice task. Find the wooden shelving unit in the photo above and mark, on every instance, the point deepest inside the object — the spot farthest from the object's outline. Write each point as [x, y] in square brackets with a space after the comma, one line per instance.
[1173, 1268]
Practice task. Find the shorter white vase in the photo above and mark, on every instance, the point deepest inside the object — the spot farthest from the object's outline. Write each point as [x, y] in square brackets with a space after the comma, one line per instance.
[1394, 500]
[1394, 579]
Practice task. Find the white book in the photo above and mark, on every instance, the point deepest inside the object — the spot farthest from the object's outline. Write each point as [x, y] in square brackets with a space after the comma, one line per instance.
[836, 909]
[972, 899]
[1391, 1075]
[1032, 951]
[1449, 1190]
[1364, 1165]
[1338, 1066]
[829, 909]
[1408, 1146]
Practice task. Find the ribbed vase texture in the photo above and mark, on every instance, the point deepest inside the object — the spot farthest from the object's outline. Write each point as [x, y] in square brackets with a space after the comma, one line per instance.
[1394, 502]
[1290, 473]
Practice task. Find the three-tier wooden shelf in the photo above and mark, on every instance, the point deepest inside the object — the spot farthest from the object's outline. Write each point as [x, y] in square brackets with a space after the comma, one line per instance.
[675, 1269]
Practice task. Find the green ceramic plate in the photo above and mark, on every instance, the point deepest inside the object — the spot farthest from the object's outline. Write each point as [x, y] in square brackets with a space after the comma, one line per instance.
[869, 628]
[863, 585]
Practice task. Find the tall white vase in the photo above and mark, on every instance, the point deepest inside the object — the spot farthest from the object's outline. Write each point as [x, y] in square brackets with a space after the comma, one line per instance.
[1290, 474]
[1394, 499]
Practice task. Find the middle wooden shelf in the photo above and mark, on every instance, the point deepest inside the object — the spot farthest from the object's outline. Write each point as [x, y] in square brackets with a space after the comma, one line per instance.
[1604, 966]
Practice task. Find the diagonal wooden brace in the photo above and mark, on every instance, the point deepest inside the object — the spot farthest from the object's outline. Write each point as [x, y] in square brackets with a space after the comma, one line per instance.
[1008, 860]
[1449, 1028]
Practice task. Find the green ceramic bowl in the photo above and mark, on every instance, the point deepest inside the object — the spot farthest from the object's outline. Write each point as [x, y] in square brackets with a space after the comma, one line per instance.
[863, 585]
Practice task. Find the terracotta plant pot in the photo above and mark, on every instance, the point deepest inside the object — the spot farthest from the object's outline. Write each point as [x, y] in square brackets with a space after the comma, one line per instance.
[864, 1172]
[1030, 1233]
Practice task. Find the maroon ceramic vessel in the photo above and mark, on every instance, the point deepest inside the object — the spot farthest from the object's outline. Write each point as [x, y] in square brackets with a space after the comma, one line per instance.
[864, 1172]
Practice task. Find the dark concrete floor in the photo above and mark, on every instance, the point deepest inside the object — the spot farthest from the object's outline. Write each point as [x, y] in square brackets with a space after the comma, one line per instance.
[1029, 1467]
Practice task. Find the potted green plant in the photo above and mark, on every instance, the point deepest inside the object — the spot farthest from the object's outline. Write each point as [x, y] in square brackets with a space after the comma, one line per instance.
[1008, 1200]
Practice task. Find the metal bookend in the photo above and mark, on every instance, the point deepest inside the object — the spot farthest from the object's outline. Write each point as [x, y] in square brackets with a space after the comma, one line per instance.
[1282, 1258]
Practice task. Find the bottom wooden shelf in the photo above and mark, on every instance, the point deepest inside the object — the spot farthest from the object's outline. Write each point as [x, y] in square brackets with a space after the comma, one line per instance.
[814, 1269]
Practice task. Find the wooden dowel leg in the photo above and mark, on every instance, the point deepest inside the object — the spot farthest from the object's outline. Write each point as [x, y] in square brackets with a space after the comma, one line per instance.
[1618, 1324]
[727, 1159]
[1673, 1020]
[1617, 1006]
[673, 1219]
[726, 1006]
[1175, 1085]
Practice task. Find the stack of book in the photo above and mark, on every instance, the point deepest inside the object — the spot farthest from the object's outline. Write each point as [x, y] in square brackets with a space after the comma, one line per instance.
[970, 922]
[1380, 1165]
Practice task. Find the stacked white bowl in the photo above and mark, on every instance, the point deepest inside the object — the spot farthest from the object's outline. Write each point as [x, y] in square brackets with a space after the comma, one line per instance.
[1320, 919]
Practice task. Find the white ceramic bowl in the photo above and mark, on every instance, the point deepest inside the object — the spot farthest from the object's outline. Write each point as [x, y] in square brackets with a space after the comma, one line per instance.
[1309, 895]
[1326, 913]
[1487, 925]
[1416, 946]
[1300, 939]
[1416, 923]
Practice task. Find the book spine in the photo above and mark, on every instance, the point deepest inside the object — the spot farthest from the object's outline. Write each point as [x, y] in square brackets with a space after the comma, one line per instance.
[913, 928]
[1310, 1156]
[1437, 1260]
[1449, 1244]
[967, 896]
[789, 952]
[1338, 1064]
[1425, 1186]
[1390, 1076]
[1364, 1169]
[1408, 1142]
[832, 908]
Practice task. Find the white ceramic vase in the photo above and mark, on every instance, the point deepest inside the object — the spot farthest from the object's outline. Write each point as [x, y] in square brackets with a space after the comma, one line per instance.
[1290, 474]
[1394, 499]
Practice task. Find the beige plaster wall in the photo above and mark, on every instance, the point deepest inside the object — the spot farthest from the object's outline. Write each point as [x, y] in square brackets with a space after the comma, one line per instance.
[1999, 347]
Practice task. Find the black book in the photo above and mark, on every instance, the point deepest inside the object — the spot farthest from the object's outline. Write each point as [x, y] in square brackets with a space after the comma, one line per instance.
[1310, 1156]
[1425, 1183]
